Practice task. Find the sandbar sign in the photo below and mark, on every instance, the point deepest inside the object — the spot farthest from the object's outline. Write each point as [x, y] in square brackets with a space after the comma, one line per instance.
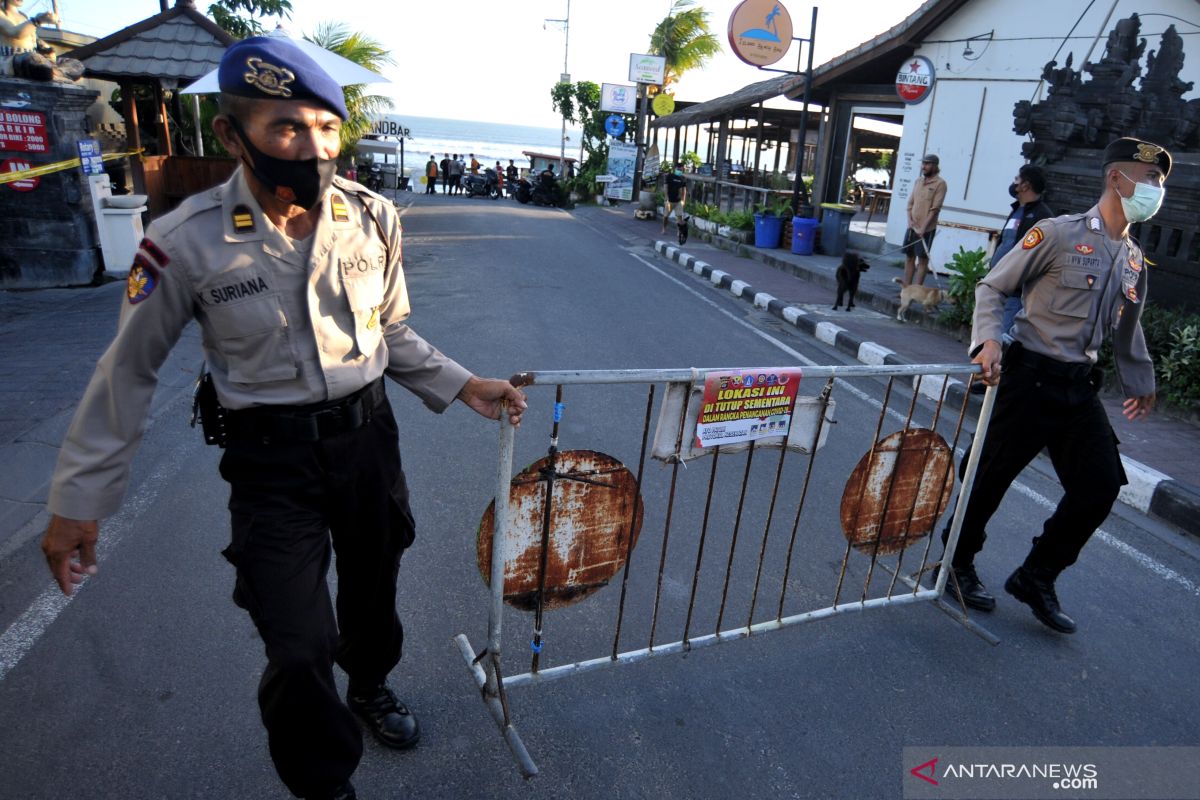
[760, 32]
[914, 80]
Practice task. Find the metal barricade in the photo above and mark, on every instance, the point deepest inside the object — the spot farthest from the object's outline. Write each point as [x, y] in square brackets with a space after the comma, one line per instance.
[570, 524]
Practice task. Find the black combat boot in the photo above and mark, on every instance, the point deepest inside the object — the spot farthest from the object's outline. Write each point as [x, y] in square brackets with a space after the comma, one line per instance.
[965, 587]
[386, 717]
[1034, 586]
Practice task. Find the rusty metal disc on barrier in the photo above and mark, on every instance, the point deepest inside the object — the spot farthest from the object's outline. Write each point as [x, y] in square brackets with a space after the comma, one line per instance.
[906, 485]
[593, 528]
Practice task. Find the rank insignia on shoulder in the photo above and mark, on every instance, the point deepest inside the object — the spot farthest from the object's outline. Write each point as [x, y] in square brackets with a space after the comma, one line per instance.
[1094, 224]
[337, 207]
[1032, 239]
[243, 219]
[155, 252]
[1085, 249]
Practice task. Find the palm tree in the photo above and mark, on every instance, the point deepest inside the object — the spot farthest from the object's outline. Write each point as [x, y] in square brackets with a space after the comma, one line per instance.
[367, 53]
[684, 38]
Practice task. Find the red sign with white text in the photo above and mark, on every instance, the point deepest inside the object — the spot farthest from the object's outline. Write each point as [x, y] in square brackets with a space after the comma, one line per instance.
[914, 79]
[23, 131]
[20, 165]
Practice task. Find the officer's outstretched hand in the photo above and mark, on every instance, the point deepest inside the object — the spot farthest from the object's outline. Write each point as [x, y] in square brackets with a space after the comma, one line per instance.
[70, 548]
[1138, 407]
[487, 396]
[989, 358]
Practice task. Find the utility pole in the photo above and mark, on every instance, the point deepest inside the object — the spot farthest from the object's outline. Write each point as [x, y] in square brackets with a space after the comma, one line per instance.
[565, 77]
[799, 191]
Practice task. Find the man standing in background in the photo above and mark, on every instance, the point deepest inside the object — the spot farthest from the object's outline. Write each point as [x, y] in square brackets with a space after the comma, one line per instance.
[444, 165]
[1027, 210]
[924, 204]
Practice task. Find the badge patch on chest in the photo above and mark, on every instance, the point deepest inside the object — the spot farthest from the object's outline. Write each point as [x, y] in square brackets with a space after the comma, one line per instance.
[1085, 249]
[1134, 264]
[337, 207]
[1032, 239]
[1131, 293]
[243, 219]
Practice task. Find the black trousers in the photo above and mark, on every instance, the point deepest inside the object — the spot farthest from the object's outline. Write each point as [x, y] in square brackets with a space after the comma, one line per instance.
[430, 185]
[291, 505]
[1034, 410]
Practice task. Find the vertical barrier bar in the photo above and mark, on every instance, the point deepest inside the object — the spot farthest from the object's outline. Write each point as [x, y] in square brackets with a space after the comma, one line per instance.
[499, 543]
[550, 474]
[762, 551]
[662, 559]
[637, 506]
[712, 477]
[964, 493]
[737, 524]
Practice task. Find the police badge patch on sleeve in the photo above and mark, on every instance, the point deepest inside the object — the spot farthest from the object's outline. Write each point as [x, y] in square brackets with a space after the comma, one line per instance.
[144, 275]
[1032, 239]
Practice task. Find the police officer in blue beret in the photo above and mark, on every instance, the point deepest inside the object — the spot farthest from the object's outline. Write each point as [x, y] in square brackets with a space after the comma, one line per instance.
[1082, 280]
[296, 280]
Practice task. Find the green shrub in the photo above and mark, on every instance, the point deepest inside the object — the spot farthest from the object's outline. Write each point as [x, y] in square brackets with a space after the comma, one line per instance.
[740, 220]
[966, 269]
[1173, 339]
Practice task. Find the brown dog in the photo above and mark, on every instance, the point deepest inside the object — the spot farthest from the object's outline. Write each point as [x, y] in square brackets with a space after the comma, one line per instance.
[927, 296]
[847, 277]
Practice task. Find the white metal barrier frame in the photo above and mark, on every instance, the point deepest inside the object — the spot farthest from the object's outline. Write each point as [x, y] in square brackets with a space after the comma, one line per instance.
[485, 666]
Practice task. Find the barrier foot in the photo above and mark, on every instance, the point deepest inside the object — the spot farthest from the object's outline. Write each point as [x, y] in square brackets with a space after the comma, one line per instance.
[515, 745]
[954, 612]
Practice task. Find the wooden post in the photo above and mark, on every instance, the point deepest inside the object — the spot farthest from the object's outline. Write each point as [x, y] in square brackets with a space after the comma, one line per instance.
[164, 128]
[133, 136]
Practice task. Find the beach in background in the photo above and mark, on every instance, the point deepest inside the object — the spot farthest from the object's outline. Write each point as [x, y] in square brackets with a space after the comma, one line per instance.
[489, 141]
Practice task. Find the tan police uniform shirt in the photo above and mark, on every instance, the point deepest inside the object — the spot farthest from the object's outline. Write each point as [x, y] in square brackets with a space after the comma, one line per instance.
[1076, 285]
[928, 194]
[280, 326]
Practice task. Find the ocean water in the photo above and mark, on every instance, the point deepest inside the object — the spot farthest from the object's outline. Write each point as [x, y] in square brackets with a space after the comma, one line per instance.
[489, 141]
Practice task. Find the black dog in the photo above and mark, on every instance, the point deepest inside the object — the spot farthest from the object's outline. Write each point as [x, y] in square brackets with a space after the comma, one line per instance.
[683, 230]
[847, 277]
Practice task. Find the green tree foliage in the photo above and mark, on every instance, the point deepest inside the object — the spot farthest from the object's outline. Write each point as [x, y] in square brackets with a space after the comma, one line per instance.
[367, 53]
[684, 39]
[579, 104]
[240, 17]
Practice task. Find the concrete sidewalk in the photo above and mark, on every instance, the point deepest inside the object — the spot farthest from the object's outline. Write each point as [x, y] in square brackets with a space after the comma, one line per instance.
[801, 291]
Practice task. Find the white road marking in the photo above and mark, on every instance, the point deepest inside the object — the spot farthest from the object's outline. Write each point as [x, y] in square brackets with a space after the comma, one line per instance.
[1137, 556]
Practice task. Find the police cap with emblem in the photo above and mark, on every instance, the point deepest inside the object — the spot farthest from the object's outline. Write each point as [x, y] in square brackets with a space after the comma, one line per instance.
[1130, 149]
[274, 68]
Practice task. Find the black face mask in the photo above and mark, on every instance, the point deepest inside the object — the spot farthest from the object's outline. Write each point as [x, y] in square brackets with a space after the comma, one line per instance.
[300, 183]
[1012, 191]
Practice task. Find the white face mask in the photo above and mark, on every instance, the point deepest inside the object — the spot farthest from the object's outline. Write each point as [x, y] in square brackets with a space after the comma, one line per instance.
[1145, 202]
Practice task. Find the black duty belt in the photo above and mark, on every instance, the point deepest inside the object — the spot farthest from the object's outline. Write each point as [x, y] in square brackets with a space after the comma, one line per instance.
[310, 423]
[1053, 367]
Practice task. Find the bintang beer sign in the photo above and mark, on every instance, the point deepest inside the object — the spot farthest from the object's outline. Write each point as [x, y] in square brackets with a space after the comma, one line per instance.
[914, 81]
[760, 32]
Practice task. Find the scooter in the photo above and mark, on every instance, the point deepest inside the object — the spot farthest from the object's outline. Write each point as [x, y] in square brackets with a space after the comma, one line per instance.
[485, 185]
[544, 193]
[371, 177]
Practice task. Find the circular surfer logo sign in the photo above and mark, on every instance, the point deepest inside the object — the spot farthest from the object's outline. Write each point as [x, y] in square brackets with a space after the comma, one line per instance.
[914, 81]
[760, 32]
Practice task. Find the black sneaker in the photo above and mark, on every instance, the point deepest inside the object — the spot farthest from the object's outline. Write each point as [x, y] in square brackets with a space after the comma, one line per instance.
[1037, 591]
[386, 717]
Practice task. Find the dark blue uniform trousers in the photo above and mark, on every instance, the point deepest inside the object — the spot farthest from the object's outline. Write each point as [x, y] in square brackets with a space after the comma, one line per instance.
[289, 502]
[1035, 409]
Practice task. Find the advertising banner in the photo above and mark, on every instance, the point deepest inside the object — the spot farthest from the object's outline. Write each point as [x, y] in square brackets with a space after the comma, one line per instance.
[746, 404]
[618, 98]
[647, 69]
[622, 158]
[23, 132]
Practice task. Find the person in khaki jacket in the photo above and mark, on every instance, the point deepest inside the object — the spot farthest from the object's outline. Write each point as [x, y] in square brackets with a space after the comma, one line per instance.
[296, 280]
[1082, 280]
[924, 204]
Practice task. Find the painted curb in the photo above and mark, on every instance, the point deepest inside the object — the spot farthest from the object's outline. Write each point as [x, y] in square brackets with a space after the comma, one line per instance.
[1149, 491]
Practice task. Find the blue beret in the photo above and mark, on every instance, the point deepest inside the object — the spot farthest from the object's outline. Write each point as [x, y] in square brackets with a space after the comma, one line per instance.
[274, 68]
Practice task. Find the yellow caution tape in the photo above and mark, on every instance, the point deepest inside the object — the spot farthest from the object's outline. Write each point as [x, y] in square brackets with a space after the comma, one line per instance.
[57, 166]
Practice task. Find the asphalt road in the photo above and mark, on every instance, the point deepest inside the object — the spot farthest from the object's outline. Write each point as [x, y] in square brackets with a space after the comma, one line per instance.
[143, 685]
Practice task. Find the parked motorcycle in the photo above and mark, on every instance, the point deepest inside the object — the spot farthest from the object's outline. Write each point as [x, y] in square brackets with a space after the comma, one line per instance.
[485, 185]
[371, 176]
[542, 193]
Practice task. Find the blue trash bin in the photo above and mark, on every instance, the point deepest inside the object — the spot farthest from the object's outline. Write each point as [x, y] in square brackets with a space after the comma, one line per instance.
[835, 228]
[768, 229]
[804, 235]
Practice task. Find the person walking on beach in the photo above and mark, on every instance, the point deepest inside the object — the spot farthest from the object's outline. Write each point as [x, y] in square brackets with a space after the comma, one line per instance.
[444, 166]
[431, 176]
[456, 173]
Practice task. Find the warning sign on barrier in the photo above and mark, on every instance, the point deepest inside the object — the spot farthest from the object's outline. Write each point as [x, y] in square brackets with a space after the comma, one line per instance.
[745, 405]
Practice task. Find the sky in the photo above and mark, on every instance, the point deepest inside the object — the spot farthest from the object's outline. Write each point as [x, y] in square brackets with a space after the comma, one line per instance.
[496, 61]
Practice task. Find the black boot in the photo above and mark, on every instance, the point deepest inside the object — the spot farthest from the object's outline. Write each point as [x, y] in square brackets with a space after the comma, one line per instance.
[1035, 588]
[386, 717]
[965, 587]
